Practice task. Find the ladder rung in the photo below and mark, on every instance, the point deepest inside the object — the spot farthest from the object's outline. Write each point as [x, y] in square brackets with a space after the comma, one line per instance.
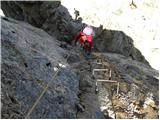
[110, 73]
[104, 80]
[105, 63]
[99, 70]
[99, 63]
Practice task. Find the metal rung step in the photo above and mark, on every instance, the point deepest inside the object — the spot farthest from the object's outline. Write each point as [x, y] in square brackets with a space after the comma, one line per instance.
[105, 80]
[99, 70]
[100, 63]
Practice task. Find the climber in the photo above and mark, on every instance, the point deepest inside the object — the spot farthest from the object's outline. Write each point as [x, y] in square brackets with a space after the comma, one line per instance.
[85, 38]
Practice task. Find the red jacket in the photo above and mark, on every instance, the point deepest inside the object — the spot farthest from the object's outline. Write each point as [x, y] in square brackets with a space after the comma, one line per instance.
[82, 37]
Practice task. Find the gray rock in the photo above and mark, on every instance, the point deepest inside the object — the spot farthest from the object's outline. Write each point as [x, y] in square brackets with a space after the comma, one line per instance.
[86, 81]
[132, 71]
[117, 42]
[29, 59]
[56, 20]
[25, 72]
[48, 15]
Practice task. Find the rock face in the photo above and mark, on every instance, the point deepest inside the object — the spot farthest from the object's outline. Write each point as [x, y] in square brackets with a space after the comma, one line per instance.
[117, 42]
[26, 12]
[50, 16]
[137, 95]
[138, 92]
[136, 72]
[137, 19]
[56, 20]
[87, 96]
[30, 58]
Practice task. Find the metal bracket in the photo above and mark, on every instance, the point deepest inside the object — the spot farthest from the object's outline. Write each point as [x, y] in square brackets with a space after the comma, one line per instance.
[104, 80]
[98, 70]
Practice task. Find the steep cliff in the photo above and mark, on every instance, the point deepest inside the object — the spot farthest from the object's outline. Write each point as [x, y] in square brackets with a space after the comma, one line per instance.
[55, 19]
[138, 19]
[30, 58]
[45, 77]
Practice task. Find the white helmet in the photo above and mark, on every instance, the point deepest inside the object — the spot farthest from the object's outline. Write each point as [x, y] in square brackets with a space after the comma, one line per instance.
[88, 30]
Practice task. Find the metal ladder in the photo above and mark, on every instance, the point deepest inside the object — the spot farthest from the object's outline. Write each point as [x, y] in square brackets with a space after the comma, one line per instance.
[107, 71]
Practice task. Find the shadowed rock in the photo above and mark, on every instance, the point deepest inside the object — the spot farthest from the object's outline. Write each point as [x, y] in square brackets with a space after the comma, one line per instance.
[26, 53]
